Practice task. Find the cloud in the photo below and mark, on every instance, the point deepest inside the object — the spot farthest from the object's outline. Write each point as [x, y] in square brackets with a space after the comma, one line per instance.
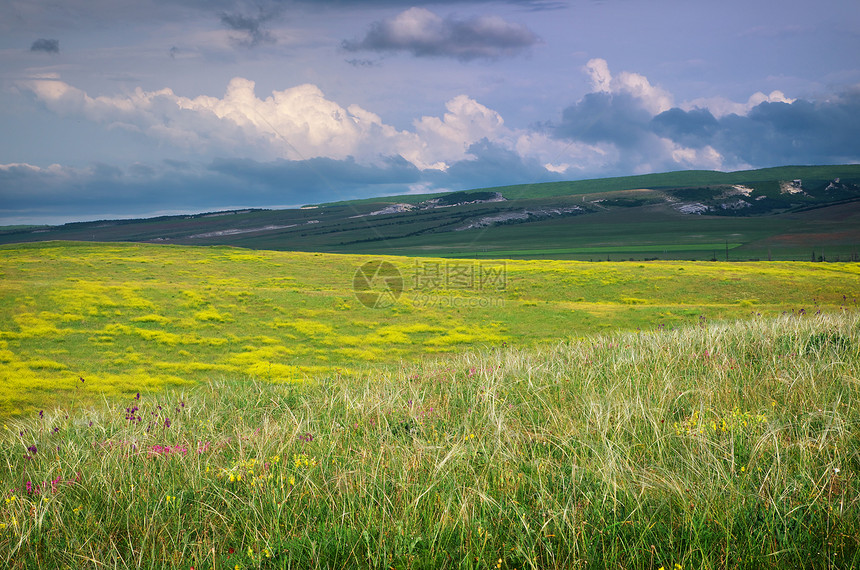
[602, 117]
[639, 129]
[693, 127]
[356, 62]
[720, 106]
[251, 26]
[245, 149]
[322, 176]
[447, 139]
[46, 46]
[651, 98]
[492, 164]
[298, 123]
[773, 133]
[424, 34]
[617, 120]
[57, 193]
[93, 14]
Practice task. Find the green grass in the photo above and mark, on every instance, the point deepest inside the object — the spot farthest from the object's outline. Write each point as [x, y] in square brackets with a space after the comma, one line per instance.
[723, 445]
[129, 317]
[632, 249]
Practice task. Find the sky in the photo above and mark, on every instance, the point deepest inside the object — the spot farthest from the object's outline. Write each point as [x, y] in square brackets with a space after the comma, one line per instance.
[132, 108]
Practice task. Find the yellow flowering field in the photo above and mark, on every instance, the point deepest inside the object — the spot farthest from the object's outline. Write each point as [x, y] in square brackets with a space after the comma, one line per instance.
[83, 321]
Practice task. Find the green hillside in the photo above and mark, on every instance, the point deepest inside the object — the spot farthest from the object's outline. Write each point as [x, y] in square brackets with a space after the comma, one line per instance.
[787, 213]
[681, 178]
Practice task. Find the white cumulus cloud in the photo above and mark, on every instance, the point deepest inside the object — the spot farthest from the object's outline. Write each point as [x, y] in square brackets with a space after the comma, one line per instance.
[720, 106]
[297, 123]
[654, 99]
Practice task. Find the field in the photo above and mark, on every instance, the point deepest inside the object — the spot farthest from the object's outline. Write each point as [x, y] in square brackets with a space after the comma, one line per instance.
[720, 446]
[168, 406]
[81, 321]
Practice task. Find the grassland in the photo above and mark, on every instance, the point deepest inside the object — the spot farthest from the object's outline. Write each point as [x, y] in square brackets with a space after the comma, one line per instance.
[719, 445]
[81, 322]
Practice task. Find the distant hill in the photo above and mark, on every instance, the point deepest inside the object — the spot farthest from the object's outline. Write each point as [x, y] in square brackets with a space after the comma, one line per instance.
[791, 212]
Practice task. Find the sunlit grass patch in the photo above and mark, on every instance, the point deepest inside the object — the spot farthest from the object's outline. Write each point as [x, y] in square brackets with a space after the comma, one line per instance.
[212, 315]
[306, 327]
[186, 369]
[43, 364]
[467, 336]
[31, 325]
[151, 318]
[369, 354]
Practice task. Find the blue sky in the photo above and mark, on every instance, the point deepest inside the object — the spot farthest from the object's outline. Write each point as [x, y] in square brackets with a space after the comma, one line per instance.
[121, 108]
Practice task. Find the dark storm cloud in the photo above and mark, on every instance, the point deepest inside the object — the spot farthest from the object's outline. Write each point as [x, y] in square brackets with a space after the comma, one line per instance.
[251, 26]
[618, 118]
[316, 175]
[424, 34]
[46, 46]
[770, 134]
[356, 62]
[802, 132]
[493, 165]
[46, 195]
[689, 128]
[139, 189]
[104, 189]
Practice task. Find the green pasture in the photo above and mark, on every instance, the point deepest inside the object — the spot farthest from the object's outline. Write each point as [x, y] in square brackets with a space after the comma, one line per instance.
[637, 233]
[632, 249]
[83, 321]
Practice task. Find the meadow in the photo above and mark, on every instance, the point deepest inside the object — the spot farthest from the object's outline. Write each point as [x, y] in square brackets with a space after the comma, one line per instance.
[715, 446]
[81, 321]
[183, 407]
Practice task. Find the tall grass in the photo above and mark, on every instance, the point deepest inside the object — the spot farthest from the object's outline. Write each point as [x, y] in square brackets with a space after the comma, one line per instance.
[729, 445]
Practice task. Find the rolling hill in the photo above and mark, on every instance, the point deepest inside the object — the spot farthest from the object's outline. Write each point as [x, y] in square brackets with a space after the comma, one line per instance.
[795, 212]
